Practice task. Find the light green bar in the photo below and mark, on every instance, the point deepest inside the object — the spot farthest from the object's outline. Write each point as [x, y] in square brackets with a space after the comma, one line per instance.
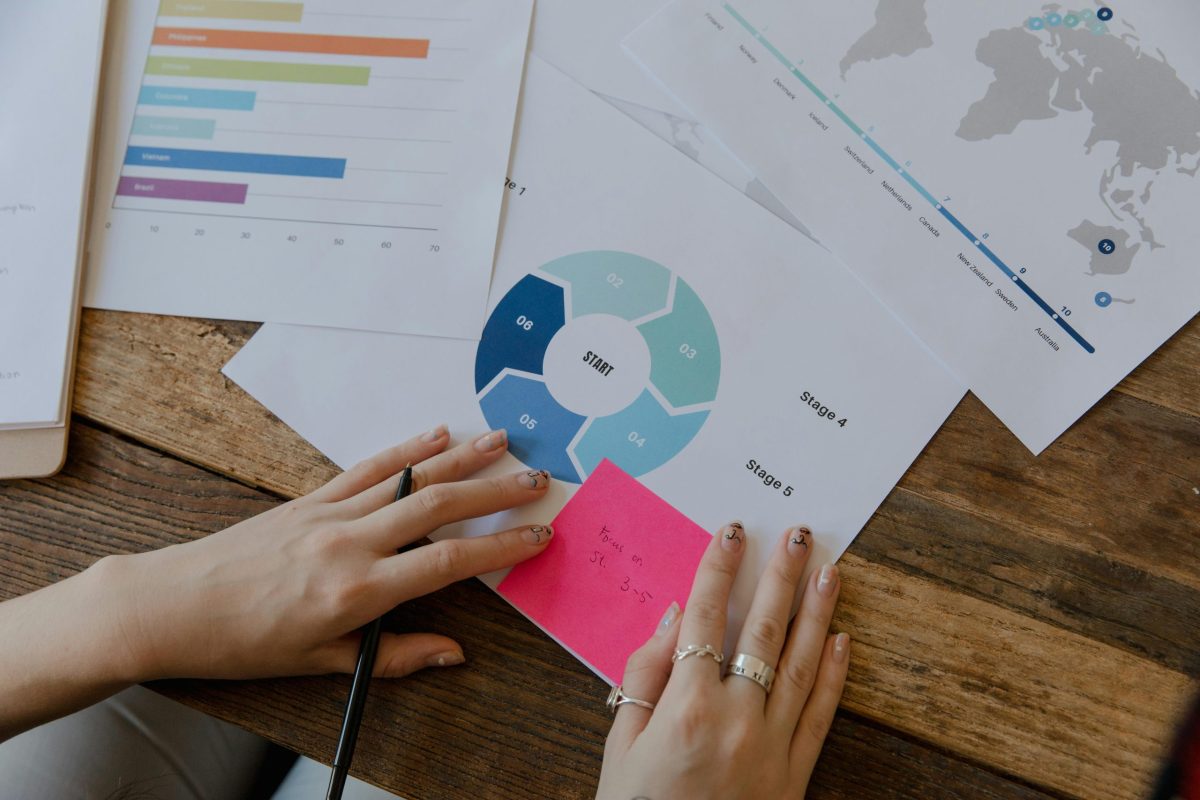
[178, 127]
[232, 9]
[257, 70]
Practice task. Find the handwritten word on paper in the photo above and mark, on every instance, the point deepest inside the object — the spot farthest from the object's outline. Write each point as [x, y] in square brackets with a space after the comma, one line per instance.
[619, 557]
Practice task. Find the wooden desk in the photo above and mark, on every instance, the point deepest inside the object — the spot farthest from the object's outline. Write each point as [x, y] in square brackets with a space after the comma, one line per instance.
[1024, 628]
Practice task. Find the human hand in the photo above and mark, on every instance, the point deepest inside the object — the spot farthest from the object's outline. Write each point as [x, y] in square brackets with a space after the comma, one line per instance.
[727, 738]
[284, 593]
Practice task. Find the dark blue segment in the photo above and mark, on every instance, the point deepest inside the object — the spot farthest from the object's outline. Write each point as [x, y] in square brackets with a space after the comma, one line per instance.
[539, 429]
[220, 161]
[517, 333]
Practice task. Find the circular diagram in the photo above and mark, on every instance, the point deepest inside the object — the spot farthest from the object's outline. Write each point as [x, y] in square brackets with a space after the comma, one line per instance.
[599, 354]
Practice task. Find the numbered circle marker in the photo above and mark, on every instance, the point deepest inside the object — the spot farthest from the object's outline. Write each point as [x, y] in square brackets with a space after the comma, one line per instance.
[1103, 299]
[1107, 246]
[1104, 14]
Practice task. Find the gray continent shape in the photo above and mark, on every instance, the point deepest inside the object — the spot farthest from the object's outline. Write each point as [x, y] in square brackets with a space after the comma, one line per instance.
[1089, 234]
[899, 30]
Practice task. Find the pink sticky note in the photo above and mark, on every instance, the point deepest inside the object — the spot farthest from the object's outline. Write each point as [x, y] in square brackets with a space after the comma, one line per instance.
[619, 557]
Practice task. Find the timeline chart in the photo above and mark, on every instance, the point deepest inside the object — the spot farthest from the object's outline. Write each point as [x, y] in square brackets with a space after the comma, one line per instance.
[246, 110]
[598, 355]
[976, 241]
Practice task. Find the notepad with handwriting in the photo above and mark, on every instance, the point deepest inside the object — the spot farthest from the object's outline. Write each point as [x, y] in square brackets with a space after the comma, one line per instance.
[49, 72]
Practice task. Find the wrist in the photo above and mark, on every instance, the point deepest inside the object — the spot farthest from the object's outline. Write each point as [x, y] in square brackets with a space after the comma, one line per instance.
[111, 619]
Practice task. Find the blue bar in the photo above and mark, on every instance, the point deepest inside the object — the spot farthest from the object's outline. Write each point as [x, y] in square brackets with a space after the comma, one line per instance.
[220, 161]
[181, 97]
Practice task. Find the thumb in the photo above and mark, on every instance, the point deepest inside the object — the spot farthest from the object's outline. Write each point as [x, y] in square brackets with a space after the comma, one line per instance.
[402, 654]
[646, 674]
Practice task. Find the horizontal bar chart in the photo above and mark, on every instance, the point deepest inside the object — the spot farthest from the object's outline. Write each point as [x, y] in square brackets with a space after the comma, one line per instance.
[221, 161]
[179, 127]
[182, 97]
[232, 9]
[167, 189]
[292, 42]
[230, 69]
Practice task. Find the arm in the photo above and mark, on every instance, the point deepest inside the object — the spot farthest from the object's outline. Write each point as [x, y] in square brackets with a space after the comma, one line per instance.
[283, 593]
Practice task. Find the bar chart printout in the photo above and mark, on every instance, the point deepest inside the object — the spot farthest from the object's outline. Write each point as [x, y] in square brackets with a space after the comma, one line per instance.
[1018, 183]
[321, 163]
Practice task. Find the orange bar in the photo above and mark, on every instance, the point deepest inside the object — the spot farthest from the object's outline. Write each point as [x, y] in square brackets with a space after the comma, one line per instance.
[292, 42]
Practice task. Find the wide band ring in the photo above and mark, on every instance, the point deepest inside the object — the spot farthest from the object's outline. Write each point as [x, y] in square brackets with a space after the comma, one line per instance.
[754, 668]
[617, 697]
[706, 650]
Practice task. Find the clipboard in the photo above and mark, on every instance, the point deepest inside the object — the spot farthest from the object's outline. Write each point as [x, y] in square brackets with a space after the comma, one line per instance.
[41, 452]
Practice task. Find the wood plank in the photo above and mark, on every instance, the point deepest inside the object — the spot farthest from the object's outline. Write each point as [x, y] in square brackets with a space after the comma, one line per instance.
[128, 357]
[530, 716]
[1169, 376]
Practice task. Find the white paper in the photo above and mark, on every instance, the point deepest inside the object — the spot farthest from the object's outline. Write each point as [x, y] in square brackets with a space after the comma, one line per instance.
[425, 145]
[1044, 139]
[789, 319]
[46, 110]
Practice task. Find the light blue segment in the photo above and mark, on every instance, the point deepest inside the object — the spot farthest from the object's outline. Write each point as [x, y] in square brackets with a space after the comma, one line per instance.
[176, 127]
[613, 282]
[539, 429]
[182, 97]
[638, 439]
[685, 355]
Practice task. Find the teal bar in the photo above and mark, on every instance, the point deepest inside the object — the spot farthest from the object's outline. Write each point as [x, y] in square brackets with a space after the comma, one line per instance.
[175, 127]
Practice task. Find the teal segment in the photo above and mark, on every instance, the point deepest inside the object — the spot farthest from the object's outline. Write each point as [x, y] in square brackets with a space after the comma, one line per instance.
[612, 282]
[639, 438]
[177, 127]
[685, 355]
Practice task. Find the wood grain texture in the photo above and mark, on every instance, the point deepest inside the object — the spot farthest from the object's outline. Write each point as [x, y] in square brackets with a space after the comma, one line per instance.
[1077, 566]
[522, 719]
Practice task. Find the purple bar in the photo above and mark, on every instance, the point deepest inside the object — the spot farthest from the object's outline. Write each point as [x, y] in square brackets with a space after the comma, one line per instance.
[167, 189]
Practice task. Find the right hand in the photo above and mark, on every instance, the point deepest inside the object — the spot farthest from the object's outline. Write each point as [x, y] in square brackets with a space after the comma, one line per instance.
[726, 738]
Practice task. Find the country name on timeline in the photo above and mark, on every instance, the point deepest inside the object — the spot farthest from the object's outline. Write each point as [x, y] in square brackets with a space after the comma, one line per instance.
[854, 156]
[989, 283]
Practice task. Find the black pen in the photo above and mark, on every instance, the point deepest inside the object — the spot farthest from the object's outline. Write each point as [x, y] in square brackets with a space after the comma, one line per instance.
[357, 700]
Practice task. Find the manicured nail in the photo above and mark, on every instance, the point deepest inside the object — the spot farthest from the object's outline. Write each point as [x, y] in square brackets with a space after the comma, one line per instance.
[668, 620]
[536, 534]
[435, 434]
[448, 659]
[491, 441]
[798, 540]
[841, 647]
[534, 479]
[827, 580]
[732, 536]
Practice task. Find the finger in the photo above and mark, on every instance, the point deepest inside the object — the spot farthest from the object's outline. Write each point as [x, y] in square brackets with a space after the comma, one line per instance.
[766, 625]
[705, 616]
[429, 568]
[420, 514]
[646, 674]
[454, 464]
[398, 655]
[818, 714]
[802, 653]
[371, 471]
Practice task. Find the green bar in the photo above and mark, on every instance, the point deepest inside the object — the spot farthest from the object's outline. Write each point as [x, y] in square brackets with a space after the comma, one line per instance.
[256, 70]
[177, 127]
[232, 9]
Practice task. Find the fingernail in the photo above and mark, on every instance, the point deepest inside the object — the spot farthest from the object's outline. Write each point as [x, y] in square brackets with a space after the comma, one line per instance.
[827, 580]
[798, 539]
[668, 620]
[732, 536]
[534, 479]
[536, 534]
[435, 434]
[841, 647]
[448, 659]
[491, 441]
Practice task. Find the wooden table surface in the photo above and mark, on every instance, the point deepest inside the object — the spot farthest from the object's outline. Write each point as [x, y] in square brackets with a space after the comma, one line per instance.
[1024, 627]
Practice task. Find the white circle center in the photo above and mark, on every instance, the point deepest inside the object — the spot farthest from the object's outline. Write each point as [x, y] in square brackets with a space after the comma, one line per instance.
[597, 365]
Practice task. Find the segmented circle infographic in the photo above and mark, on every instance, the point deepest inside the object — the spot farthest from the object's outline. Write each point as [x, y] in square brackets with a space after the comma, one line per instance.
[599, 354]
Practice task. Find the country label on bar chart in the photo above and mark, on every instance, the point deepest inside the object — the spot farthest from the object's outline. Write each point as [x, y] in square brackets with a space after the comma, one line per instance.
[600, 354]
